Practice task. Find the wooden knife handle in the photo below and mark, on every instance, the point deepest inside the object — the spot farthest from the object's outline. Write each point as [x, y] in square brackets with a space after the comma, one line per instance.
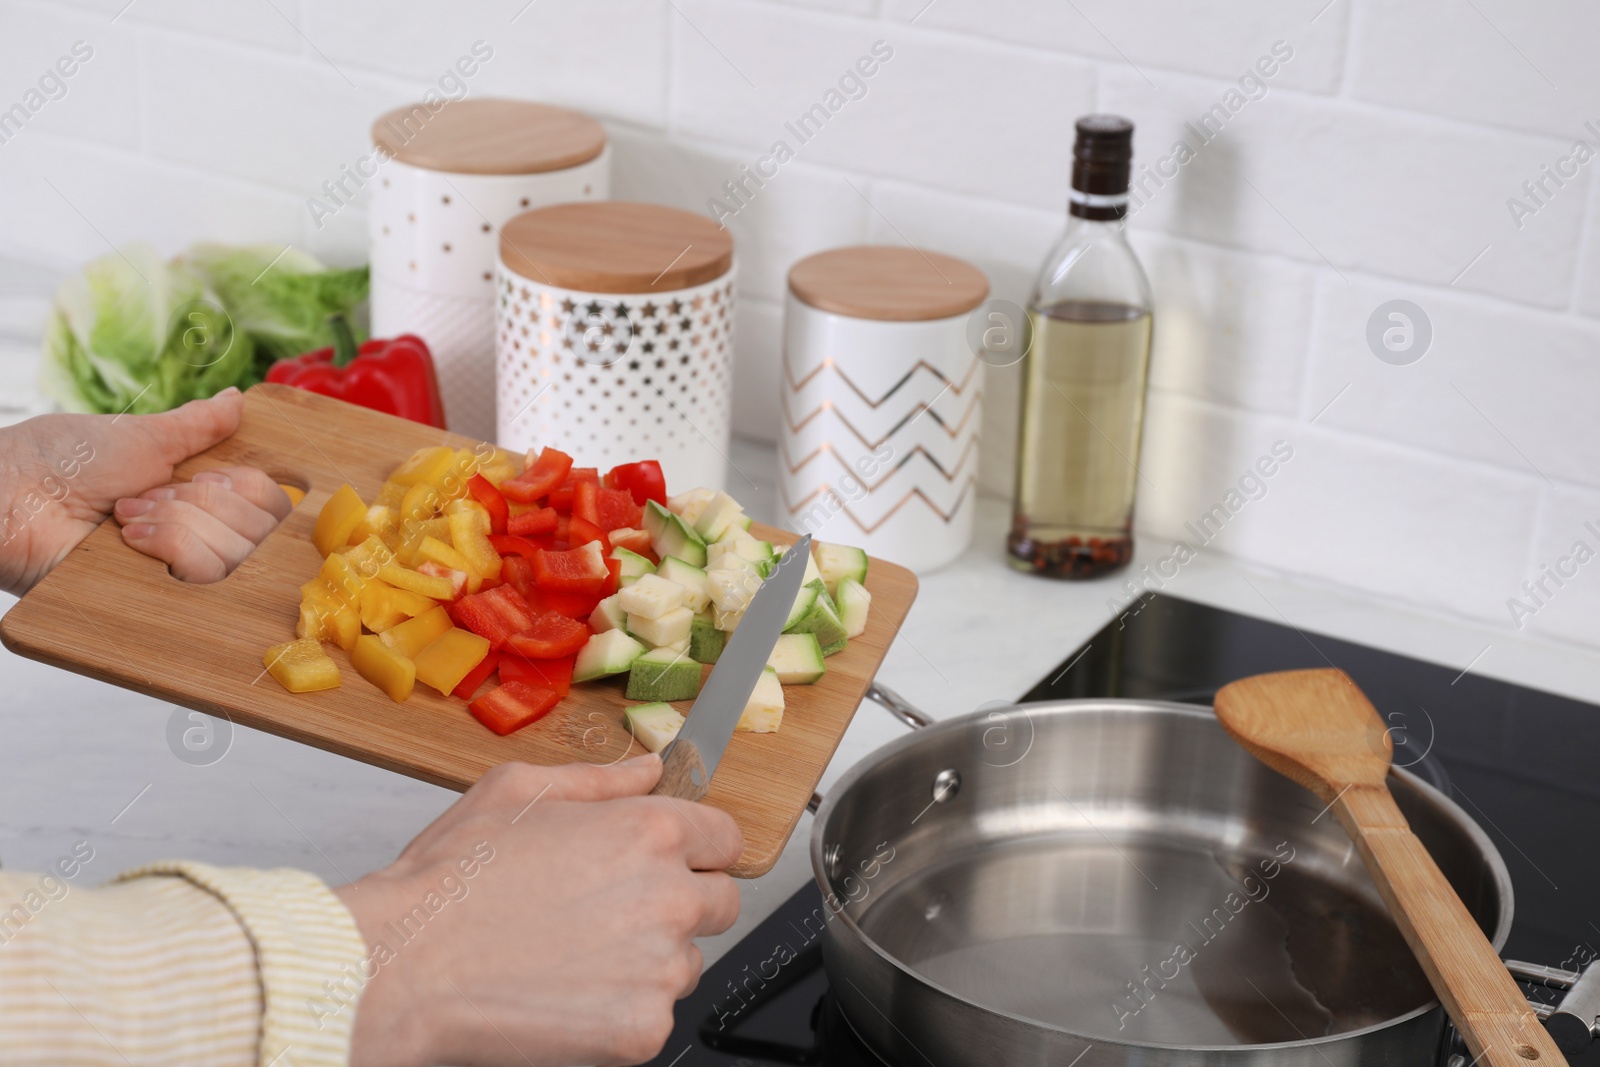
[678, 766]
[1466, 972]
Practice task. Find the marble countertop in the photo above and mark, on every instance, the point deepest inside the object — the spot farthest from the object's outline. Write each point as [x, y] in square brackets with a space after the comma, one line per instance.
[83, 760]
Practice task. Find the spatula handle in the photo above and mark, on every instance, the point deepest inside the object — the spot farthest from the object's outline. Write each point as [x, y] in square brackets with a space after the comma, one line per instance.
[1464, 969]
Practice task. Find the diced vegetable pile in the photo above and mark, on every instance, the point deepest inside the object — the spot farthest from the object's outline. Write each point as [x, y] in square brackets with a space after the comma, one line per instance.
[504, 583]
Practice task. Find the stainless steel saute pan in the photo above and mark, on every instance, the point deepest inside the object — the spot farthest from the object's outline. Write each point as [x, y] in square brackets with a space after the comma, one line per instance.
[1118, 882]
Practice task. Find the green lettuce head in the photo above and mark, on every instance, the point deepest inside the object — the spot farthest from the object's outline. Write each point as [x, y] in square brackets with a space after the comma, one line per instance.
[133, 333]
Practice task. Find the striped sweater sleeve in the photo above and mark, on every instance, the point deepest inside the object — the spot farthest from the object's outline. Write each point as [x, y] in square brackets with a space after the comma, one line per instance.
[177, 963]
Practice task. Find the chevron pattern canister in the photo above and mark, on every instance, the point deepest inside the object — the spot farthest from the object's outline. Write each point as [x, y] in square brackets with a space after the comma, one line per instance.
[880, 394]
[450, 181]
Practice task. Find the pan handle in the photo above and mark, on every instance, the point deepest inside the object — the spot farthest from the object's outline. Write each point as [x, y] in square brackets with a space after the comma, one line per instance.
[1574, 1020]
[899, 706]
[895, 705]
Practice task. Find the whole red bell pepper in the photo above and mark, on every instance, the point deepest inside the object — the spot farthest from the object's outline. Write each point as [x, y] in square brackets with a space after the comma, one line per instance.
[394, 376]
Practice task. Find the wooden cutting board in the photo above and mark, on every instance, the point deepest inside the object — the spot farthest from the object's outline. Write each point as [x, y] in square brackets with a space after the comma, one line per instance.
[113, 614]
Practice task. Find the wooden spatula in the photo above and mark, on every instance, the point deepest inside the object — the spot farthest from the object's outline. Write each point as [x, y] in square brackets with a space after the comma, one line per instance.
[1317, 728]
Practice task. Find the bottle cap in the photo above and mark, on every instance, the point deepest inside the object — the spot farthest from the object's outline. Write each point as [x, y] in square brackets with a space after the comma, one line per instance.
[1101, 159]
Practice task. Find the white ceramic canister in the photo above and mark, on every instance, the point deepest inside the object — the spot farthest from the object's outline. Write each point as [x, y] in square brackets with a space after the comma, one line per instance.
[452, 178]
[881, 392]
[614, 337]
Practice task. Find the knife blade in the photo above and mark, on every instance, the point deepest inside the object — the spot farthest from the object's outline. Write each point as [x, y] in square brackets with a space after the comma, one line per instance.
[691, 758]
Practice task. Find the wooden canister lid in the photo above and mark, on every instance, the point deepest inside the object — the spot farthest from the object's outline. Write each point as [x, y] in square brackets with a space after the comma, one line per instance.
[888, 283]
[613, 246]
[489, 136]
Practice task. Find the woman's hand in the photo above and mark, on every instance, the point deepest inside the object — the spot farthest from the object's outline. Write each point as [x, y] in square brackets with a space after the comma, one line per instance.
[570, 939]
[61, 475]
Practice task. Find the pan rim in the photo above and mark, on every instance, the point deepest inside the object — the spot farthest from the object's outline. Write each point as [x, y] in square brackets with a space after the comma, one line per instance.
[1122, 705]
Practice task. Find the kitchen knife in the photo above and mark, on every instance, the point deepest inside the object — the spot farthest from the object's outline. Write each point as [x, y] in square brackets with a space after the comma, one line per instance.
[692, 757]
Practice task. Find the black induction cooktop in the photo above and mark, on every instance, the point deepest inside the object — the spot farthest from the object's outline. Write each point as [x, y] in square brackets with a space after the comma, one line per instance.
[1519, 761]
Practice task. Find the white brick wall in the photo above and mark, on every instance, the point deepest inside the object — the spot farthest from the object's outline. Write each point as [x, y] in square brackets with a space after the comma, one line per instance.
[1375, 166]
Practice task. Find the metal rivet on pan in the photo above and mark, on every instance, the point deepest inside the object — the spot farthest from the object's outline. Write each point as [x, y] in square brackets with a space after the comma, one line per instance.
[830, 861]
[946, 784]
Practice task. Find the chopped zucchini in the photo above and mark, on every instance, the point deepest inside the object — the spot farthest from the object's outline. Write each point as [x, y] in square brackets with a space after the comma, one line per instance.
[763, 712]
[697, 594]
[797, 658]
[671, 536]
[722, 511]
[608, 615]
[609, 653]
[804, 601]
[726, 621]
[634, 566]
[731, 586]
[821, 619]
[854, 604]
[706, 642]
[662, 674]
[688, 506]
[650, 597]
[839, 561]
[669, 629]
[653, 725]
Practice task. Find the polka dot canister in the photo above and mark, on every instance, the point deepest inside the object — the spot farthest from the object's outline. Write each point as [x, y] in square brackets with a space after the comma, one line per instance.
[614, 337]
[450, 179]
[881, 395]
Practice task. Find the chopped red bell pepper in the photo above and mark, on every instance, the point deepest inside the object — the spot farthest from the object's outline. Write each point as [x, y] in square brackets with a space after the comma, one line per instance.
[563, 495]
[586, 501]
[577, 570]
[495, 614]
[513, 545]
[581, 531]
[563, 527]
[644, 480]
[532, 523]
[551, 636]
[394, 376]
[475, 677]
[517, 572]
[512, 705]
[552, 674]
[614, 579]
[544, 473]
[630, 539]
[572, 605]
[493, 501]
[615, 510]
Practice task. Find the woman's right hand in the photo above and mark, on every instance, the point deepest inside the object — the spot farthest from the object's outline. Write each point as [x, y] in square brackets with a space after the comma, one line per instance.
[570, 939]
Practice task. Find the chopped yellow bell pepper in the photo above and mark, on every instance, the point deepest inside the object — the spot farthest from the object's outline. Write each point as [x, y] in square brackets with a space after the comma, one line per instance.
[343, 577]
[302, 666]
[390, 494]
[383, 606]
[425, 584]
[369, 555]
[500, 465]
[470, 536]
[453, 482]
[414, 635]
[449, 657]
[324, 617]
[436, 550]
[383, 667]
[338, 518]
[293, 492]
[422, 501]
[410, 536]
[425, 465]
[379, 520]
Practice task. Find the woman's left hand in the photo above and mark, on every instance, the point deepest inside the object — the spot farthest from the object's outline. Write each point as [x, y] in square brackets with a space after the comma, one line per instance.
[61, 475]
